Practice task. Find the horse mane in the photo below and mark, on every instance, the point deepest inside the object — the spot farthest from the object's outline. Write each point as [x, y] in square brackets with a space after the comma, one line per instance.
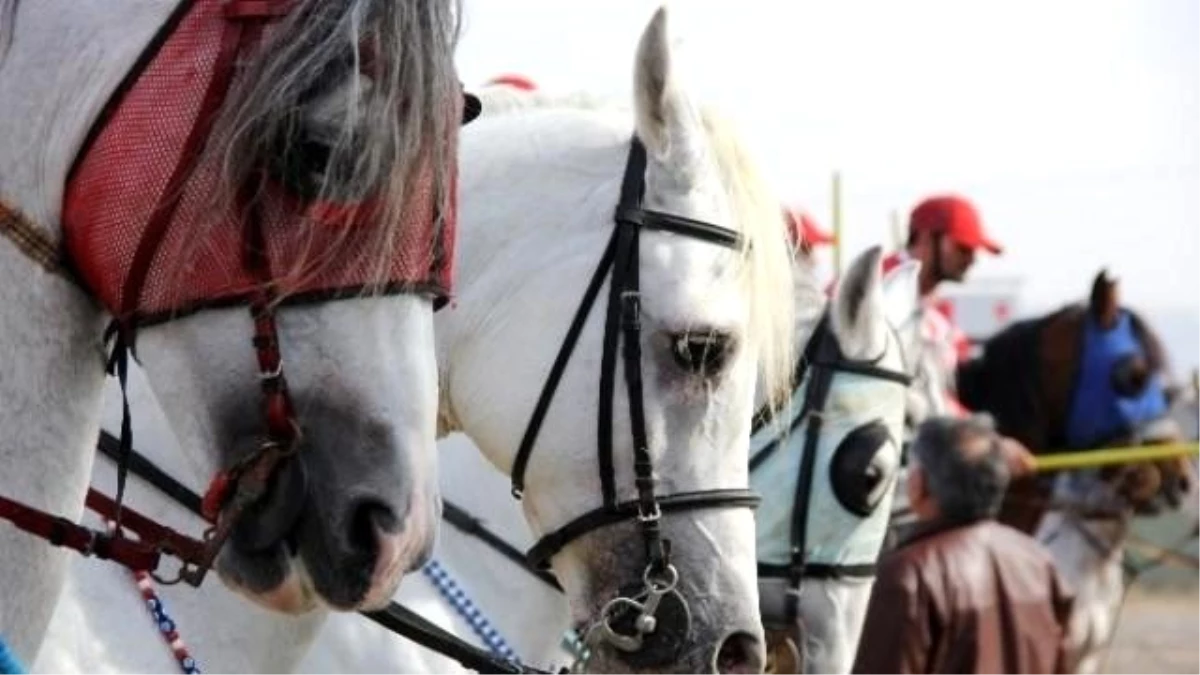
[8, 18]
[775, 283]
[1005, 380]
[398, 123]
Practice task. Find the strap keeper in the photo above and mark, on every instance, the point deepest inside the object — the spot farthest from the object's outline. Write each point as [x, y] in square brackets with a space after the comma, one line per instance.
[59, 529]
[257, 9]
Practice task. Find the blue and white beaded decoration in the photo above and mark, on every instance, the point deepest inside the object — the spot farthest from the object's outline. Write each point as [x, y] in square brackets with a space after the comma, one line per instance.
[9, 664]
[454, 594]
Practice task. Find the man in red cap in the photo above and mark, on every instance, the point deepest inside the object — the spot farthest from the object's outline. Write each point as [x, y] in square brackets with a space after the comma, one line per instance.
[944, 233]
[804, 231]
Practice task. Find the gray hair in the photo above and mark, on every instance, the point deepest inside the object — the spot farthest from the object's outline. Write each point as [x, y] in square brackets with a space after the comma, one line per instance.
[8, 20]
[963, 465]
[374, 83]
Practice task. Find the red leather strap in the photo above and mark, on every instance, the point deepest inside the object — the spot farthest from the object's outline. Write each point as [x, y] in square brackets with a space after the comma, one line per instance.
[149, 533]
[257, 9]
[59, 531]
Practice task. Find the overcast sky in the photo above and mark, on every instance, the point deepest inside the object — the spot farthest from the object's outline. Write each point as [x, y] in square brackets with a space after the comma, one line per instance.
[1074, 125]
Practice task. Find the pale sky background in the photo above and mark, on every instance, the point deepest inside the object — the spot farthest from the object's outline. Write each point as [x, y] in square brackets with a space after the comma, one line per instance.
[1073, 125]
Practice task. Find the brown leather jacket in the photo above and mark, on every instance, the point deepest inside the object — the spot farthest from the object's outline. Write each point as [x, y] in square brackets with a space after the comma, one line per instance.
[966, 598]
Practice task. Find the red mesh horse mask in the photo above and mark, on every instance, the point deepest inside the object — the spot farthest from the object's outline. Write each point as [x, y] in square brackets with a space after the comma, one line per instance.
[141, 177]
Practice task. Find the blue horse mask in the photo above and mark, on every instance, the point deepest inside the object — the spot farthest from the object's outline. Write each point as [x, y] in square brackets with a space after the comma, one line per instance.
[1101, 410]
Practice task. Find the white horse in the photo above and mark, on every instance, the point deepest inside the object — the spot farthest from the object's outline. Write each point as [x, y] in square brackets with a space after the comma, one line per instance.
[854, 464]
[540, 185]
[827, 468]
[361, 370]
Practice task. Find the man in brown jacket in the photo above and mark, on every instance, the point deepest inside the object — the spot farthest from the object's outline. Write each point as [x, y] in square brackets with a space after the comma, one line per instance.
[964, 594]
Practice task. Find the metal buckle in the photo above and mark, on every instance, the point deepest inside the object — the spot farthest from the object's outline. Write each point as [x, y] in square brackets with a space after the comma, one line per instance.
[651, 517]
[272, 374]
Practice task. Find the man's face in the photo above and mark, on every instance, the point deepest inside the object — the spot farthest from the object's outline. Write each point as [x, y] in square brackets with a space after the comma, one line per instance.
[956, 259]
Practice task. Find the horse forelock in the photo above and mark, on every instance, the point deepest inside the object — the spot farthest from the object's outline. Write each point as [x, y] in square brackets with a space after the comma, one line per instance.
[387, 68]
[775, 285]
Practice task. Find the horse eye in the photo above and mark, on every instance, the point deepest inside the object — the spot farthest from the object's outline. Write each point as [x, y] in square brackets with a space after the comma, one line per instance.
[702, 353]
[299, 165]
[861, 472]
[1130, 376]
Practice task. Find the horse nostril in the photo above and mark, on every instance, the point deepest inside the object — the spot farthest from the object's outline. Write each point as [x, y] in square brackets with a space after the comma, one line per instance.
[369, 519]
[740, 652]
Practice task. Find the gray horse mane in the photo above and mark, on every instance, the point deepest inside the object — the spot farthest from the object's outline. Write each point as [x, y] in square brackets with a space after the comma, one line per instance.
[8, 18]
[374, 82]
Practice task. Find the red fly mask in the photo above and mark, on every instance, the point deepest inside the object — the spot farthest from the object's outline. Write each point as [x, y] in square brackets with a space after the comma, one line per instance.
[154, 233]
[149, 238]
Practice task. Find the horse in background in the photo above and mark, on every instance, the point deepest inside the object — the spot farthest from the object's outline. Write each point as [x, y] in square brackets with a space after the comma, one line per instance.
[1089, 375]
[827, 462]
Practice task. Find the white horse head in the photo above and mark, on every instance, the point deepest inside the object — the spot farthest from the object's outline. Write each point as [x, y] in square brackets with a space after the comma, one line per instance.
[709, 314]
[827, 465]
[318, 108]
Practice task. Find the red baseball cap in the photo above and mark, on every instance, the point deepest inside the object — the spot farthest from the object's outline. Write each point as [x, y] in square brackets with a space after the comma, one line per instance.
[803, 228]
[514, 80]
[955, 217]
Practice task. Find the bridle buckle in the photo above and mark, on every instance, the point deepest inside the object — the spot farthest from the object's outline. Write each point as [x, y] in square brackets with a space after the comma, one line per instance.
[652, 517]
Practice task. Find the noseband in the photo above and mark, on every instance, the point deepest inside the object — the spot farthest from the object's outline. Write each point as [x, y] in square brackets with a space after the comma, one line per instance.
[823, 355]
[655, 592]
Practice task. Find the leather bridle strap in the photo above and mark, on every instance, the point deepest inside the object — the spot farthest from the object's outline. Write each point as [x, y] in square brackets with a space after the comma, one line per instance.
[547, 546]
[814, 401]
[823, 355]
[472, 526]
[623, 324]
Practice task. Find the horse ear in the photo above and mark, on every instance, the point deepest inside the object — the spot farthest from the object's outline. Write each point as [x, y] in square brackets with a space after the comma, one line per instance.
[858, 320]
[1104, 302]
[665, 121]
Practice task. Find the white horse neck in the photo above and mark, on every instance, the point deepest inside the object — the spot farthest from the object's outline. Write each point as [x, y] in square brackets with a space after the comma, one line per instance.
[49, 102]
[52, 379]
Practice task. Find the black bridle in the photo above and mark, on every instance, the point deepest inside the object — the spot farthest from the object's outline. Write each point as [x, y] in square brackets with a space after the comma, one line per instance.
[622, 322]
[825, 358]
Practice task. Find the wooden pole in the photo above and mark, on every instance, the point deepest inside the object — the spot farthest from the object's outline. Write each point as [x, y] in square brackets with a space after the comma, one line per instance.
[836, 223]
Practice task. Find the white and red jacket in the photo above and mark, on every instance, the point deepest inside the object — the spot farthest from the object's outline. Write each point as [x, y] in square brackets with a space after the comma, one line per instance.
[944, 344]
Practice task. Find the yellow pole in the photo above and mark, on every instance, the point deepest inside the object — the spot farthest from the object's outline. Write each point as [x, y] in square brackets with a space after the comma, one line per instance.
[1083, 459]
[836, 223]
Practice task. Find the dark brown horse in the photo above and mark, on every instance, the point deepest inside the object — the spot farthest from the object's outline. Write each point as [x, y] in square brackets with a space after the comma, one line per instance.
[1089, 375]
[1085, 376]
